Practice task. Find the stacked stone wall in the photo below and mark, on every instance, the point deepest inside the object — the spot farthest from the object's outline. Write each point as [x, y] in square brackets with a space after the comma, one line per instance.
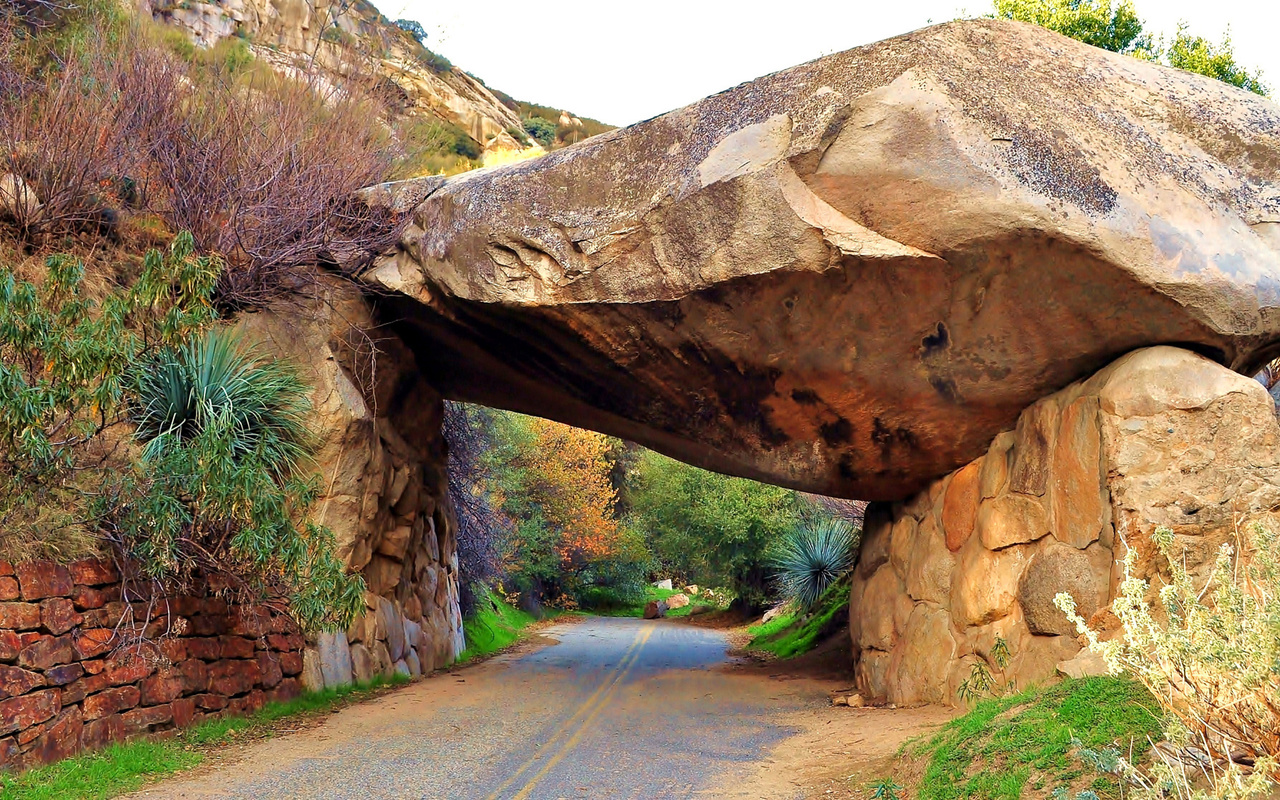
[1162, 437]
[382, 467]
[81, 667]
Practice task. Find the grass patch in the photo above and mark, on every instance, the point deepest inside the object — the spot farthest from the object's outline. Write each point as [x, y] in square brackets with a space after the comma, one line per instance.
[788, 635]
[494, 626]
[651, 593]
[1006, 747]
[127, 766]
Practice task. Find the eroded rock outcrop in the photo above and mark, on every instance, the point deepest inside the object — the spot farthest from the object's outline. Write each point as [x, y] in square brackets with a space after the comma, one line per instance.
[848, 276]
[1162, 437]
[345, 37]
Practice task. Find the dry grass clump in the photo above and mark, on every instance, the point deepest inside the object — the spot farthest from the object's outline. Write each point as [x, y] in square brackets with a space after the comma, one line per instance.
[102, 119]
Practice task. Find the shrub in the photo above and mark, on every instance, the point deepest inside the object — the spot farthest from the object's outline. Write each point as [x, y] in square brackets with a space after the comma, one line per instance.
[413, 28]
[811, 558]
[219, 491]
[64, 370]
[214, 381]
[1210, 655]
[260, 168]
[263, 170]
[543, 131]
[71, 130]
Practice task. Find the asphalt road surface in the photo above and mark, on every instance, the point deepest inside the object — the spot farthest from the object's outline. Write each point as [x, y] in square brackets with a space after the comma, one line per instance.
[618, 708]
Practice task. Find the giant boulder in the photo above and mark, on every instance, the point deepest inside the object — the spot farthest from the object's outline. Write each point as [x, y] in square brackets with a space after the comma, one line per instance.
[848, 276]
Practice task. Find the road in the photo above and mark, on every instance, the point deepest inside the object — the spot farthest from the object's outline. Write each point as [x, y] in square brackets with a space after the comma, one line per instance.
[614, 708]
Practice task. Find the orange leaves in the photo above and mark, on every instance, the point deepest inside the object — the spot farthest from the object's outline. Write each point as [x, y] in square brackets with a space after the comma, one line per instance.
[569, 471]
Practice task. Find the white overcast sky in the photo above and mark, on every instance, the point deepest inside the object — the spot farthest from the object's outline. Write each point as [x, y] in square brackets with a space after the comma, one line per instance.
[622, 62]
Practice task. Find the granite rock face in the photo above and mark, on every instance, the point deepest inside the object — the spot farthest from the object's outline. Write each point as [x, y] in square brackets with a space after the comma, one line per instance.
[1162, 437]
[848, 276]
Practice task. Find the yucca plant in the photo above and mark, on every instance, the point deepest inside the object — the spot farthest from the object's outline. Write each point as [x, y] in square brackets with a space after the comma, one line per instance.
[217, 381]
[812, 557]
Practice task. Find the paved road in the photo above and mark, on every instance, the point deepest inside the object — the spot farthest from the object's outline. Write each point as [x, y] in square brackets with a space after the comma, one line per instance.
[619, 708]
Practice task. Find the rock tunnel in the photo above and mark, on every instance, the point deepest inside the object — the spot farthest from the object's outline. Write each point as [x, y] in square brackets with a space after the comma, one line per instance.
[899, 274]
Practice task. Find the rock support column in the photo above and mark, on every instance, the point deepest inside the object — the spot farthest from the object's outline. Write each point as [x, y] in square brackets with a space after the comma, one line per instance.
[1161, 437]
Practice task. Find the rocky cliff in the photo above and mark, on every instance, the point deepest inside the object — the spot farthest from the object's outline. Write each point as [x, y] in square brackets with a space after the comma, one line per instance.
[344, 36]
[849, 276]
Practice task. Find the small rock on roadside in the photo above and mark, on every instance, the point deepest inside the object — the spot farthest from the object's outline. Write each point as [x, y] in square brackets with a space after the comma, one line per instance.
[850, 700]
[677, 601]
[655, 609]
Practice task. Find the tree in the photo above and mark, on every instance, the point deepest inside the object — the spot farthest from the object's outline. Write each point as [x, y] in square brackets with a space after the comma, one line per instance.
[1101, 23]
[709, 527]
[542, 130]
[413, 28]
[1196, 54]
[1115, 26]
[555, 482]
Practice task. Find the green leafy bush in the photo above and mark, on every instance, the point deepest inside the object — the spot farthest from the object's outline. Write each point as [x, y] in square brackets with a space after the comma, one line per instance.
[1210, 655]
[65, 367]
[811, 558]
[219, 489]
[216, 492]
[542, 130]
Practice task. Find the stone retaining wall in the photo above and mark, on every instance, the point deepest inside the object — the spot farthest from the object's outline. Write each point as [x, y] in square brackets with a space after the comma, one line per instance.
[80, 667]
[1161, 437]
[384, 485]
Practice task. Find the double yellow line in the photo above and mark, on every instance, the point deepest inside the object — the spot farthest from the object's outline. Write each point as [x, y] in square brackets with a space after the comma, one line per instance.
[582, 718]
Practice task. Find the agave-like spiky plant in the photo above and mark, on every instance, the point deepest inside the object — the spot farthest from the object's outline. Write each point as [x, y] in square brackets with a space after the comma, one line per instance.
[812, 557]
[217, 381]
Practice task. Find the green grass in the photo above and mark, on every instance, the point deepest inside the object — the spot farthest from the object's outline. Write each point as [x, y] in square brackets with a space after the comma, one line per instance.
[1016, 746]
[491, 629]
[787, 636]
[127, 766]
[650, 593]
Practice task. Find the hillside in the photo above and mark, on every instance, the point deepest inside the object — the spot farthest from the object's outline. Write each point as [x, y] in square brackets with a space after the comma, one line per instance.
[353, 37]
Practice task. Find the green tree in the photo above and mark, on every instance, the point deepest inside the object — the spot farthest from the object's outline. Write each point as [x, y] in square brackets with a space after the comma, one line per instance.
[1196, 54]
[711, 528]
[1102, 23]
[1115, 26]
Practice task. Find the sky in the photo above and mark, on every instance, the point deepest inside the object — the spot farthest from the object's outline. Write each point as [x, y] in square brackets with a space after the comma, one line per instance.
[624, 62]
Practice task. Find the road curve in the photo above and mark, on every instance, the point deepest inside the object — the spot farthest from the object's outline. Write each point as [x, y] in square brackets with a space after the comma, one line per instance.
[619, 708]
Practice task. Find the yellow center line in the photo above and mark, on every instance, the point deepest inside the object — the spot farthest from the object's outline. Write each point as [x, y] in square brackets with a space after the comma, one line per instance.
[564, 726]
[568, 746]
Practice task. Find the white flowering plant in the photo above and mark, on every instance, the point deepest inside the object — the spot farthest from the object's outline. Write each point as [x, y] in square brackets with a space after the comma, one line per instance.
[1210, 656]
